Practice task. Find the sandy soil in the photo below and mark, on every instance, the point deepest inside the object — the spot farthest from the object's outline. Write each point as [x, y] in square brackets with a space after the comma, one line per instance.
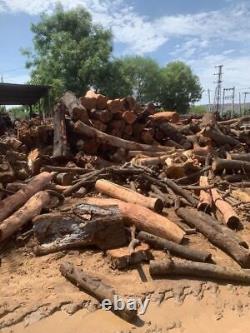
[36, 298]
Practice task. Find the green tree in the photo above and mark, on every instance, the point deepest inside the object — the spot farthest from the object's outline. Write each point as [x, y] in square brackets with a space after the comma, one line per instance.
[143, 74]
[70, 52]
[179, 87]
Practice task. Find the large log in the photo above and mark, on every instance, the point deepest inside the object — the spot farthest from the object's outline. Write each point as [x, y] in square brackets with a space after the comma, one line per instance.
[230, 218]
[96, 288]
[186, 268]
[143, 218]
[60, 145]
[175, 249]
[104, 116]
[173, 133]
[241, 157]
[113, 141]
[76, 110]
[29, 210]
[100, 100]
[85, 225]
[220, 138]
[15, 201]
[229, 245]
[220, 164]
[166, 116]
[125, 194]
[129, 117]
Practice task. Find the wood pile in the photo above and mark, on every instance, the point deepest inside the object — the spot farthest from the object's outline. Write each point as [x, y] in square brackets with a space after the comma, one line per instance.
[141, 180]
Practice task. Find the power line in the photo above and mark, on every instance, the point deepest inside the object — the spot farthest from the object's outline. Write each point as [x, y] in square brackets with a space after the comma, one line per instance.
[217, 95]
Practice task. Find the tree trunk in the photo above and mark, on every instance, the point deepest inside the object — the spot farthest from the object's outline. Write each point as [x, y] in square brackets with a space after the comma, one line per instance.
[76, 110]
[220, 164]
[125, 194]
[96, 288]
[15, 201]
[202, 270]
[144, 219]
[174, 249]
[60, 146]
[221, 240]
[29, 210]
[113, 141]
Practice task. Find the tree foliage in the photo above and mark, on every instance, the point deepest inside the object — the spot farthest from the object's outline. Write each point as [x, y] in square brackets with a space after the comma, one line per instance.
[179, 87]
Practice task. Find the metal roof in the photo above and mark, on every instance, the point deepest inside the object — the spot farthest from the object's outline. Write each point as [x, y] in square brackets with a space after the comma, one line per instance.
[21, 94]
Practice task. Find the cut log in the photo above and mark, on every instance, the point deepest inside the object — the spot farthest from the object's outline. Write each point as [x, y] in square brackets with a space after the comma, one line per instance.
[170, 267]
[96, 288]
[60, 146]
[73, 170]
[125, 194]
[104, 138]
[226, 243]
[230, 218]
[88, 103]
[114, 105]
[85, 225]
[173, 133]
[171, 116]
[219, 138]
[15, 201]
[209, 119]
[147, 136]
[220, 164]
[64, 179]
[101, 100]
[76, 110]
[241, 195]
[241, 157]
[29, 210]
[122, 258]
[100, 126]
[174, 249]
[143, 218]
[205, 200]
[129, 117]
[104, 116]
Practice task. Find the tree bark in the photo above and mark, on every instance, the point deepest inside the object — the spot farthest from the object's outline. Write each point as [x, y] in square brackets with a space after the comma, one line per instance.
[29, 210]
[15, 201]
[96, 288]
[174, 249]
[229, 245]
[60, 146]
[144, 219]
[113, 141]
[220, 164]
[203, 270]
[230, 218]
[125, 194]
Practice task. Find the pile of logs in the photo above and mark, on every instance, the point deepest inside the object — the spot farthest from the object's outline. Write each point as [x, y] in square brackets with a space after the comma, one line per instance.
[142, 180]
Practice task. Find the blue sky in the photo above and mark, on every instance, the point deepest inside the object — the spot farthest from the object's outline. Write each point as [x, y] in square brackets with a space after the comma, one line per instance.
[203, 33]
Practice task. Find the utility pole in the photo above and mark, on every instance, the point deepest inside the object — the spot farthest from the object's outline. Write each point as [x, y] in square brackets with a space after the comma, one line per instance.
[229, 94]
[240, 102]
[217, 95]
[209, 100]
[245, 97]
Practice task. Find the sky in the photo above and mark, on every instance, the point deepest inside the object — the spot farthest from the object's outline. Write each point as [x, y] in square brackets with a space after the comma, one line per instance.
[202, 33]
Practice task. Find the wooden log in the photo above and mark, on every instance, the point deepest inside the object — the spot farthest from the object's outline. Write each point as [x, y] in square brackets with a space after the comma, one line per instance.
[75, 108]
[174, 249]
[15, 201]
[119, 192]
[171, 267]
[104, 116]
[149, 161]
[205, 199]
[88, 103]
[24, 214]
[100, 126]
[220, 164]
[60, 145]
[64, 179]
[122, 258]
[173, 133]
[241, 195]
[114, 106]
[219, 138]
[226, 243]
[171, 116]
[96, 288]
[143, 218]
[104, 138]
[209, 119]
[129, 117]
[129, 103]
[147, 136]
[101, 100]
[85, 225]
[73, 170]
[127, 132]
[230, 218]
[241, 157]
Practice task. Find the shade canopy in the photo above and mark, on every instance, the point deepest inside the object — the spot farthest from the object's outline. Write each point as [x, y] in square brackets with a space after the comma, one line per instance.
[21, 94]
